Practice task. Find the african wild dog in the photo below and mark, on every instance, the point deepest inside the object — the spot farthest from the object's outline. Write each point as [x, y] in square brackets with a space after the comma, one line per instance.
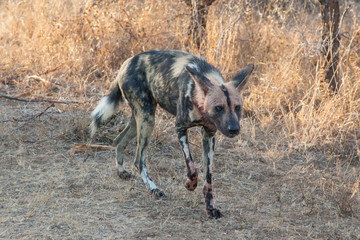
[186, 86]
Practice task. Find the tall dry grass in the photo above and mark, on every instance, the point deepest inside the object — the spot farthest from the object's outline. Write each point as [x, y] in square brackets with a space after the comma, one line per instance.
[77, 46]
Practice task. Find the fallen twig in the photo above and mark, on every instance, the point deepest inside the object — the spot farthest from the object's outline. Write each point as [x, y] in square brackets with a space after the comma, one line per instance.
[24, 94]
[35, 77]
[56, 68]
[27, 119]
[37, 100]
[80, 147]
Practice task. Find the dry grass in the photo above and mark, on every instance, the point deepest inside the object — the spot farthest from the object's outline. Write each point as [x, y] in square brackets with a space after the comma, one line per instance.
[292, 174]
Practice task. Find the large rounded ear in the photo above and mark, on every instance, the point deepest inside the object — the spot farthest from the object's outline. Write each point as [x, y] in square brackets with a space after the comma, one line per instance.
[240, 79]
[199, 78]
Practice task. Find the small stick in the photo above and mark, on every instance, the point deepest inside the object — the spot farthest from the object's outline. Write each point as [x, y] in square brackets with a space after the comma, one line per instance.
[37, 100]
[55, 68]
[40, 79]
[27, 119]
[79, 147]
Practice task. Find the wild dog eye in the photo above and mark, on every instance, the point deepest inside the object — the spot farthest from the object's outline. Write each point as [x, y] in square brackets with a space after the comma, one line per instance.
[219, 108]
[237, 108]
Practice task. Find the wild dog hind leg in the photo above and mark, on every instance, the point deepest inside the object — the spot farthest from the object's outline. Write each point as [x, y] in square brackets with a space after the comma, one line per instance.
[121, 141]
[145, 121]
[208, 145]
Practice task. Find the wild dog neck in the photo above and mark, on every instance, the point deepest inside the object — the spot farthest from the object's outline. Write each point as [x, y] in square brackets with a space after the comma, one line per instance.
[198, 100]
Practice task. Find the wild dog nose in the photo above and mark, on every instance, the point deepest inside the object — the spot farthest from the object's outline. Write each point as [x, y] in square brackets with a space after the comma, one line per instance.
[234, 129]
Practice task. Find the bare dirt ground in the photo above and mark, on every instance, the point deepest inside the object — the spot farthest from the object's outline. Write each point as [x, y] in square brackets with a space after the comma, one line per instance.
[264, 190]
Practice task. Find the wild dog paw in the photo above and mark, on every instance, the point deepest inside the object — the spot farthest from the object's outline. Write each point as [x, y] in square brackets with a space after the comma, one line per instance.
[190, 184]
[125, 175]
[212, 212]
[158, 194]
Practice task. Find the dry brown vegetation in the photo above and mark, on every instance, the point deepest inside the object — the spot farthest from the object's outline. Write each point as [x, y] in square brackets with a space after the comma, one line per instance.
[292, 174]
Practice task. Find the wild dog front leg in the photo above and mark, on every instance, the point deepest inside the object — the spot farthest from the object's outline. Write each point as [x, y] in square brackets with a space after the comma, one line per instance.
[191, 182]
[208, 145]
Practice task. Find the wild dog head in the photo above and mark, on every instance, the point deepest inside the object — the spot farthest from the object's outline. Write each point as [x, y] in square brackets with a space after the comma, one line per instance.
[222, 104]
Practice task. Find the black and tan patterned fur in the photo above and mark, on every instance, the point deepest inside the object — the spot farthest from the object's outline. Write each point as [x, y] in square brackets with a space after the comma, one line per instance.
[186, 86]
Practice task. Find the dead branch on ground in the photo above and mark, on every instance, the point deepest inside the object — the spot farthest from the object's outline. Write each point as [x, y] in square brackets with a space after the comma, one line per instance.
[37, 100]
[80, 147]
[28, 119]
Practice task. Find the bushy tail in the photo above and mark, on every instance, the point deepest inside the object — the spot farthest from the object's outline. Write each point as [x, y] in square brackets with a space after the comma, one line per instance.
[105, 108]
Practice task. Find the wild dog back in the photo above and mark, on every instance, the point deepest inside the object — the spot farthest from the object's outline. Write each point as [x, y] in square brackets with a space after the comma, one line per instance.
[163, 73]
